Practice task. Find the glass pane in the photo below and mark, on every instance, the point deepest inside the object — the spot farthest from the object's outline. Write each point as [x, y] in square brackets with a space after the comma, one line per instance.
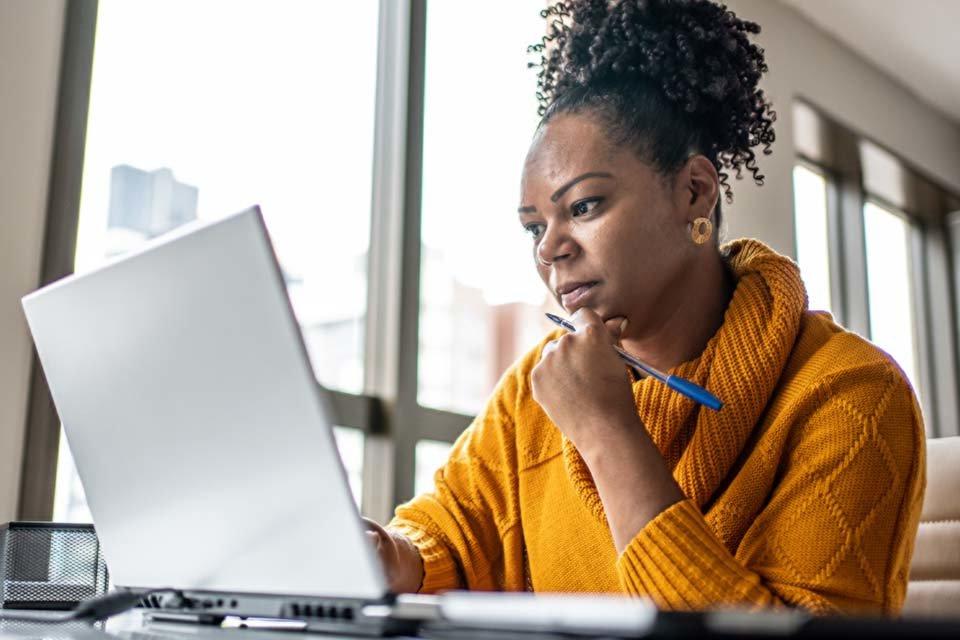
[810, 221]
[217, 119]
[481, 302]
[242, 107]
[70, 502]
[889, 288]
[350, 445]
[430, 456]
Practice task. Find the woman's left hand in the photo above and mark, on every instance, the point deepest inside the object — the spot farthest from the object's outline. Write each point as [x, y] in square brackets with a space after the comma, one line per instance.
[583, 386]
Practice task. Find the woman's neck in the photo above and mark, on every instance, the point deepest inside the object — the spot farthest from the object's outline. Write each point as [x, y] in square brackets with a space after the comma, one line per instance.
[688, 317]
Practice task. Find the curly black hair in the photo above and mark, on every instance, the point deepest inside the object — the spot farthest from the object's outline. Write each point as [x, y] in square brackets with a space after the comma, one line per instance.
[669, 77]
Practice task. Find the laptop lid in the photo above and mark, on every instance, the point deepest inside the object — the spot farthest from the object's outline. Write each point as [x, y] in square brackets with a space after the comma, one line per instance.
[202, 439]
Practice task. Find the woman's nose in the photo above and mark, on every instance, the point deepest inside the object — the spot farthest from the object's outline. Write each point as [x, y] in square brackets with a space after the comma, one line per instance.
[556, 244]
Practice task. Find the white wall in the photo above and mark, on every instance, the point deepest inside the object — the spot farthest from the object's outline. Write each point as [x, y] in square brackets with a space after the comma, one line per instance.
[30, 38]
[806, 62]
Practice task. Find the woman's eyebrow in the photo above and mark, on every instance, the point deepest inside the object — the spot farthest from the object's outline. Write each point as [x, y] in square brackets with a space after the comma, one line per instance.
[590, 174]
[562, 190]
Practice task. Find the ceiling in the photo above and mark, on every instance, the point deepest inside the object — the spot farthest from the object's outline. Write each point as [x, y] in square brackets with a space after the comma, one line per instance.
[915, 41]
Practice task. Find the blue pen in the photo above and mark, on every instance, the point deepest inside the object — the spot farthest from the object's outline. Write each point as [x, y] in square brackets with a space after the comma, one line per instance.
[684, 387]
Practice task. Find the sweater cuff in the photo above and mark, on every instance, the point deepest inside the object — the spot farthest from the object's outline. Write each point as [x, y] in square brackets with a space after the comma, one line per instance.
[678, 562]
[440, 572]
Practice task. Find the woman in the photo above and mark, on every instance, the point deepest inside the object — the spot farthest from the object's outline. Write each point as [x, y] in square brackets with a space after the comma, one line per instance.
[804, 490]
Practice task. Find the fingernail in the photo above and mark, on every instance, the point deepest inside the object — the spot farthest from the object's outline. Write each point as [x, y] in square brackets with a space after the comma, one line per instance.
[623, 326]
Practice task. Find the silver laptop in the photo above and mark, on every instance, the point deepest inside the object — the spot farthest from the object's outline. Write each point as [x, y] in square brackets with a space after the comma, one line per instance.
[202, 439]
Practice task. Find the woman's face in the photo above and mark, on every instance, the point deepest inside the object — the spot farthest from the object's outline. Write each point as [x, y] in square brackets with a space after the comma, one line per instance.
[607, 231]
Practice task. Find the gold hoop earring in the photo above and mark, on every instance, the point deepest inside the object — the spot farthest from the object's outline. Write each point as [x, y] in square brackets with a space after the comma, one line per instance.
[701, 230]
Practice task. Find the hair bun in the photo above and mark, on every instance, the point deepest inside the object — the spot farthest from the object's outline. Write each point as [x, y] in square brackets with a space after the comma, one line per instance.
[696, 53]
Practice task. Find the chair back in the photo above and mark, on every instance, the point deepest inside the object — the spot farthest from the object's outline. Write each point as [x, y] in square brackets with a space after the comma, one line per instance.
[934, 587]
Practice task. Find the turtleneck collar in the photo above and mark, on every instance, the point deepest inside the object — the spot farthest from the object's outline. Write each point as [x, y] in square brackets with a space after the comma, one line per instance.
[741, 364]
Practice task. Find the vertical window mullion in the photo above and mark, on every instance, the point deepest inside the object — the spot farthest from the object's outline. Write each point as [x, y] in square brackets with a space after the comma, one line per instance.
[387, 288]
[856, 301]
[404, 410]
[836, 251]
[42, 434]
[941, 342]
[921, 309]
[951, 260]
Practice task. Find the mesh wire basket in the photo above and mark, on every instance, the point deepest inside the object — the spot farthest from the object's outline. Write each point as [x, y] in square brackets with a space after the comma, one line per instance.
[48, 565]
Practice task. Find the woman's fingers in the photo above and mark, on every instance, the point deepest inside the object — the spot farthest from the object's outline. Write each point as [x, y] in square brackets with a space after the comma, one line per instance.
[585, 317]
[372, 526]
[384, 544]
[375, 540]
[616, 326]
[547, 348]
[399, 557]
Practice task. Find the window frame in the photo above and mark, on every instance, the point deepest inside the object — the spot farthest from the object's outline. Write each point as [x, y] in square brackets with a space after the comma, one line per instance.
[42, 434]
[387, 411]
[933, 215]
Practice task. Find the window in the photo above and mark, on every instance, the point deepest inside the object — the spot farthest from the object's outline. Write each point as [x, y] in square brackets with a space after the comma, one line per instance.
[811, 224]
[874, 239]
[481, 301]
[69, 500]
[889, 276]
[350, 445]
[431, 455]
[181, 130]
[412, 320]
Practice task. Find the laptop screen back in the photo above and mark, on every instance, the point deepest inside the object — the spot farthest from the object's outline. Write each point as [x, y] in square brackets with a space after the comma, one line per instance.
[202, 439]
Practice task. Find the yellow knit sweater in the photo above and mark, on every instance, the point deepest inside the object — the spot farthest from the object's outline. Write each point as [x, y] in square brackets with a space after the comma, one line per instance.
[804, 490]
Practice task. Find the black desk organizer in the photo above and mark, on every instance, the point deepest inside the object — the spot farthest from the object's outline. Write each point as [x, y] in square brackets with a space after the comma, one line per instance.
[49, 565]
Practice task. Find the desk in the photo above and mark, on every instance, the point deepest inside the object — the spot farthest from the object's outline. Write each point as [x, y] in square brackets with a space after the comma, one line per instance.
[132, 626]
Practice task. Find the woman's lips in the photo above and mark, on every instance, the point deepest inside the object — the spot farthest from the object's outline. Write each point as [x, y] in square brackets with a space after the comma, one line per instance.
[576, 297]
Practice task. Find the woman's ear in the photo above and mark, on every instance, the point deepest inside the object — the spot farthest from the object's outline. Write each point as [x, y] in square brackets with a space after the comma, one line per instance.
[699, 186]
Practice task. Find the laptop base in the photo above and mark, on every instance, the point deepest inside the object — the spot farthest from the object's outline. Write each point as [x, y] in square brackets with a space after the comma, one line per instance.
[262, 611]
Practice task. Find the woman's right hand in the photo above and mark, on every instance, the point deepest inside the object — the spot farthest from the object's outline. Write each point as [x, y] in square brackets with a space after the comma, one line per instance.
[400, 558]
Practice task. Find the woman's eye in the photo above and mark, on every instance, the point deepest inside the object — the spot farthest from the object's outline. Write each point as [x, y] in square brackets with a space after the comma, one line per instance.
[535, 229]
[584, 207]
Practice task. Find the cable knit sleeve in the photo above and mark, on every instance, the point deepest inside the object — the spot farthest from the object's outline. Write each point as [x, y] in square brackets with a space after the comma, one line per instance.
[467, 529]
[837, 532]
